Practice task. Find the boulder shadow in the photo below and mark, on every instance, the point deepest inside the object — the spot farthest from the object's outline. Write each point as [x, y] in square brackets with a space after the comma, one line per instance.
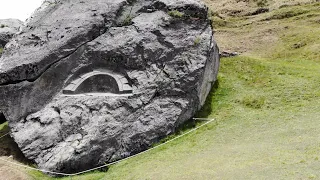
[8, 147]
[207, 108]
[2, 118]
[204, 112]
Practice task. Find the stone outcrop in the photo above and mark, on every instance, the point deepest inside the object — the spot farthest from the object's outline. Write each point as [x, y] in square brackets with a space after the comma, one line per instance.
[8, 27]
[90, 82]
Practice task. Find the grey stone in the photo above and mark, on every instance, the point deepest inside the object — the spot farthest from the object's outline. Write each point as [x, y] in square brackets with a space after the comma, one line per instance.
[165, 66]
[8, 28]
[228, 54]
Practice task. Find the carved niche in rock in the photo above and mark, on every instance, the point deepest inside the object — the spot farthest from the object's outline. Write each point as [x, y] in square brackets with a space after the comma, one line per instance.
[99, 82]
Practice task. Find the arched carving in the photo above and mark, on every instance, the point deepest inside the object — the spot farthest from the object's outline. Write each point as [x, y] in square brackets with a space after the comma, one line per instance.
[99, 81]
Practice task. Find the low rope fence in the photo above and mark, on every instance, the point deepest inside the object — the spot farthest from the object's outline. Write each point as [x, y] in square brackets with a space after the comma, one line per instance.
[109, 164]
[4, 135]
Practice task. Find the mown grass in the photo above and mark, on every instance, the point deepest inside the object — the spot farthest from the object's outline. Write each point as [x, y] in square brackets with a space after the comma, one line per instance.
[266, 105]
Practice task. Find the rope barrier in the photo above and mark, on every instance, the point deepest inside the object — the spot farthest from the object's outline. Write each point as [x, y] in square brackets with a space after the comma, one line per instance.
[4, 136]
[106, 165]
[201, 119]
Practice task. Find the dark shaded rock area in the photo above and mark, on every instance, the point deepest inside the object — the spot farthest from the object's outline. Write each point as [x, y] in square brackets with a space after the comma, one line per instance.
[3, 119]
[167, 63]
[100, 84]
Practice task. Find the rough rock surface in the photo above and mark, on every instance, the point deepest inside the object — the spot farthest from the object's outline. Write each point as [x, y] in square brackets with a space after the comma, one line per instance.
[90, 82]
[8, 27]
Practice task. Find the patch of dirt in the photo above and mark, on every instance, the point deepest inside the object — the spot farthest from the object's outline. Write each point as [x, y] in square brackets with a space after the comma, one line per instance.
[242, 42]
[243, 7]
[10, 151]
[4, 151]
[11, 172]
[229, 7]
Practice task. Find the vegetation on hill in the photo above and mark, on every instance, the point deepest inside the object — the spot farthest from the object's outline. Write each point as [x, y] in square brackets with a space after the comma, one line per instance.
[266, 102]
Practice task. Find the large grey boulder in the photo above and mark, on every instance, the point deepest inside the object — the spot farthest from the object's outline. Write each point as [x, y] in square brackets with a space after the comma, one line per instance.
[91, 82]
[8, 27]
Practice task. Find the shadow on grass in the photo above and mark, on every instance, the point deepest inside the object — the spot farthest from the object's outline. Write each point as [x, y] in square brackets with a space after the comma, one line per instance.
[206, 110]
[9, 148]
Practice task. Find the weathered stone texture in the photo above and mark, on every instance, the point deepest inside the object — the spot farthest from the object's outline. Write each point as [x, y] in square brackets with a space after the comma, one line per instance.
[8, 28]
[168, 63]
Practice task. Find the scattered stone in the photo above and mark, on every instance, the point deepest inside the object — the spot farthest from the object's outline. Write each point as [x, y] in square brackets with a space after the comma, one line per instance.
[298, 45]
[91, 82]
[258, 11]
[228, 54]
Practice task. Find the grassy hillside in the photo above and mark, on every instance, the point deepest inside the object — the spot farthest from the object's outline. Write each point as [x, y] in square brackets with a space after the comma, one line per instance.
[266, 103]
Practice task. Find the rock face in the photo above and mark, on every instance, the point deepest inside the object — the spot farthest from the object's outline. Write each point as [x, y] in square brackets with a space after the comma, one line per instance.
[8, 27]
[91, 82]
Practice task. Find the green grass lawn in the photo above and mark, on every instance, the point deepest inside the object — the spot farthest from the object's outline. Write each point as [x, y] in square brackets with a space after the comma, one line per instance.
[266, 105]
